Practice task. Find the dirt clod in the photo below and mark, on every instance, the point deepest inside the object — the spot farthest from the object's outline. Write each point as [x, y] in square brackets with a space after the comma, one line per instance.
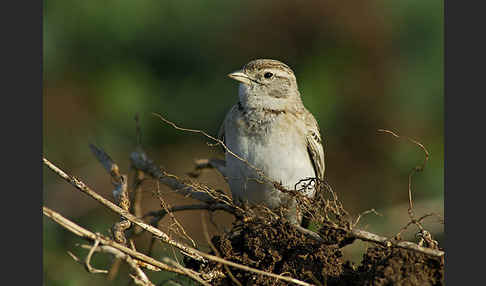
[397, 266]
[262, 239]
[275, 246]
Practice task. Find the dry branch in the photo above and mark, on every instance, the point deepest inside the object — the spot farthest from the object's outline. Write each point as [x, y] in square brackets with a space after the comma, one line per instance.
[211, 200]
[90, 236]
[121, 196]
[78, 184]
[143, 161]
[186, 250]
[371, 237]
[212, 207]
[84, 233]
[215, 250]
[178, 226]
[218, 163]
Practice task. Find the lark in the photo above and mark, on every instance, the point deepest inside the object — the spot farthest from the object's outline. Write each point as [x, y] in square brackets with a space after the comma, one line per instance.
[272, 138]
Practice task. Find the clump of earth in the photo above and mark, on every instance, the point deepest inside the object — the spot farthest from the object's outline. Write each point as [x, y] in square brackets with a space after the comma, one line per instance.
[274, 245]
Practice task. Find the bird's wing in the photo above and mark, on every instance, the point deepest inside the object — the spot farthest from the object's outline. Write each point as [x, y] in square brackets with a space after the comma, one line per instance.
[221, 132]
[314, 146]
[220, 164]
[226, 118]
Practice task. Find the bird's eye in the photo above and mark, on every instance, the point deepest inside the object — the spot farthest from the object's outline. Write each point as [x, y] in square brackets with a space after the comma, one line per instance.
[268, 75]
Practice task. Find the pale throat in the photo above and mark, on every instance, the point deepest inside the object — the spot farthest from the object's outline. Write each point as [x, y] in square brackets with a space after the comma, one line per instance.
[251, 99]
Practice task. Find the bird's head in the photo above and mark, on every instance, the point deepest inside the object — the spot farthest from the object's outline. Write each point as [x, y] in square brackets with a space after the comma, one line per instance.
[266, 83]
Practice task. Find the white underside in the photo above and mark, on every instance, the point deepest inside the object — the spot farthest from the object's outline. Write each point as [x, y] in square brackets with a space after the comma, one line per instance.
[279, 150]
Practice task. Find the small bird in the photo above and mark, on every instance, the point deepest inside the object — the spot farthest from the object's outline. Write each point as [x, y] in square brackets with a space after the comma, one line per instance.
[274, 137]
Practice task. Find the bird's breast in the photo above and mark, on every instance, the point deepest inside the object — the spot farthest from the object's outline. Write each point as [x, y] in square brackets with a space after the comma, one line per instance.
[273, 145]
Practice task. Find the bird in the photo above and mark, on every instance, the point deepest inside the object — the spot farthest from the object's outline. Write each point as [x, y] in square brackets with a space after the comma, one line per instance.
[270, 136]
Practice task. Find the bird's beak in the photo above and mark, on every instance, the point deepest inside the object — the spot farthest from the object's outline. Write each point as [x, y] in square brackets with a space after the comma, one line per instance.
[240, 76]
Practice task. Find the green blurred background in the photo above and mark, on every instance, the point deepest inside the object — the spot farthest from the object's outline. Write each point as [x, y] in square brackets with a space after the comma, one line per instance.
[360, 65]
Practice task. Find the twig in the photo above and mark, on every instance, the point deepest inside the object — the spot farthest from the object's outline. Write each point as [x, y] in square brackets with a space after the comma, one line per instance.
[373, 211]
[189, 251]
[140, 278]
[416, 169]
[332, 204]
[201, 164]
[210, 207]
[110, 166]
[159, 215]
[78, 184]
[87, 261]
[309, 232]
[76, 229]
[185, 270]
[137, 197]
[368, 236]
[221, 143]
[107, 244]
[413, 171]
[174, 219]
[138, 179]
[141, 162]
[208, 239]
[250, 269]
[121, 255]
[419, 220]
[120, 182]
[371, 237]
[74, 257]
[363, 235]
